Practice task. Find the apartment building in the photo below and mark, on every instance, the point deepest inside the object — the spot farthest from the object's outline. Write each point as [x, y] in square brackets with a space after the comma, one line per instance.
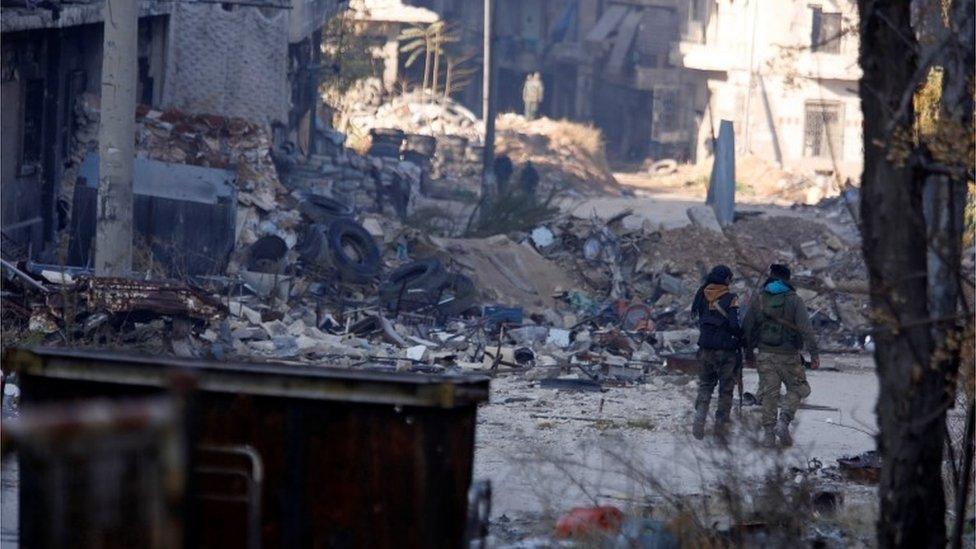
[658, 76]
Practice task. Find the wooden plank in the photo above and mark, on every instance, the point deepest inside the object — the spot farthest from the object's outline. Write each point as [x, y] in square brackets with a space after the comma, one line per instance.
[607, 22]
[625, 37]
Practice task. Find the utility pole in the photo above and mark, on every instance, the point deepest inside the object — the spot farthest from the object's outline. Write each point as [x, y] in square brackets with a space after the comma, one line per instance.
[488, 108]
[116, 139]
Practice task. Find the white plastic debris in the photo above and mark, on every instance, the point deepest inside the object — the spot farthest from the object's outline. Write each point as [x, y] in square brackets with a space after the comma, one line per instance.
[542, 237]
[558, 337]
[57, 277]
[417, 352]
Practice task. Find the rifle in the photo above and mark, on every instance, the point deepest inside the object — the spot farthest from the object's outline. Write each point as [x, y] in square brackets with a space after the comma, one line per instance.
[738, 361]
[738, 380]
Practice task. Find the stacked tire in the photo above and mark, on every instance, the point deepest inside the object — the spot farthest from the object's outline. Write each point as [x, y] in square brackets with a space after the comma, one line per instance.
[426, 285]
[386, 142]
[323, 209]
[343, 245]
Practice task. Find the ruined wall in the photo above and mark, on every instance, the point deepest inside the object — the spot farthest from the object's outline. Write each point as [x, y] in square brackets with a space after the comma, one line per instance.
[228, 60]
[770, 108]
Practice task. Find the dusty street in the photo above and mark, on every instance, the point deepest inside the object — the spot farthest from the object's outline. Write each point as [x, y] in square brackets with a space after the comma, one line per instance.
[546, 449]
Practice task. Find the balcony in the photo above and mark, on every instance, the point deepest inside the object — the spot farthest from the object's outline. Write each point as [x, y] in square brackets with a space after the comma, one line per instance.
[706, 57]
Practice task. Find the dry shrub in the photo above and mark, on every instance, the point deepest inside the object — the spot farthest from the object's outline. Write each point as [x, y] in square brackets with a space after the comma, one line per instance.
[512, 212]
[748, 496]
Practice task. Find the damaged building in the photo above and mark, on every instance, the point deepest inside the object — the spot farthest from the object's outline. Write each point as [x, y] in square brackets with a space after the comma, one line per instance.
[252, 61]
[658, 76]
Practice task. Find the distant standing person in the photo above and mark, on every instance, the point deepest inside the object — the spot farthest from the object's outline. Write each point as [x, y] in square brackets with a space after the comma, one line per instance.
[778, 325]
[719, 342]
[503, 172]
[529, 179]
[532, 93]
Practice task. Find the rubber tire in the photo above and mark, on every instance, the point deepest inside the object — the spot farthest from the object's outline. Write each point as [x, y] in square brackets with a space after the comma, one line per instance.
[309, 248]
[385, 150]
[322, 209]
[464, 292]
[352, 269]
[266, 253]
[423, 279]
[663, 167]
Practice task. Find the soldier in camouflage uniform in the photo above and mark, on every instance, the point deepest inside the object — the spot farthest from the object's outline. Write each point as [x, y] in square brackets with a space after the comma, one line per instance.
[777, 323]
[717, 310]
[532, 93]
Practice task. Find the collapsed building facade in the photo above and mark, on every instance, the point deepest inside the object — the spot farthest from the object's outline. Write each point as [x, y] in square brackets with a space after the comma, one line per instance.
[253, 61]
[658, 76]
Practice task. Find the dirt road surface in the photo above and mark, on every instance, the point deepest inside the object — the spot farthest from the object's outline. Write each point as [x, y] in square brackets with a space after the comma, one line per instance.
[547, 450]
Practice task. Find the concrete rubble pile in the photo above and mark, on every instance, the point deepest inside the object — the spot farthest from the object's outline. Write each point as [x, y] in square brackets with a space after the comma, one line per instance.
[324, 272]
[628, 256]
[393, 298]
[202, 140]
[567, 155]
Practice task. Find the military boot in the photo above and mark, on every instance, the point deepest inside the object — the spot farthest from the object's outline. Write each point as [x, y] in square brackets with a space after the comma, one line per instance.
[698, 427]
[769, 437]
[783, 431]
[721, 431]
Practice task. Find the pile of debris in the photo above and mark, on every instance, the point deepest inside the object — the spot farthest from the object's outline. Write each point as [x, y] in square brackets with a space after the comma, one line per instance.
[568, 156]
[210, 141]
[323, 271]
[627, 256]
[575, 302]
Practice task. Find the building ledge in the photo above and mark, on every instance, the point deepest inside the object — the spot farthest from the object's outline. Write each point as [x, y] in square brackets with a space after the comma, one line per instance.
[70, 15]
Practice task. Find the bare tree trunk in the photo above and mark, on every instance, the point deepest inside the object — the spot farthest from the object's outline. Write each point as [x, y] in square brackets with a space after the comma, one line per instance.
[911, 402]
[116, 139]
[437, 61]
[447, 79]
[427, 43]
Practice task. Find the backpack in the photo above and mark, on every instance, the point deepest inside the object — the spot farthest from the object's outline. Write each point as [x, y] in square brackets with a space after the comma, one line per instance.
[772, 331]
[715, 329]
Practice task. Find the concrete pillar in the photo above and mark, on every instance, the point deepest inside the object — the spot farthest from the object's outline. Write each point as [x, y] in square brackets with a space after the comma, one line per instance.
[721, 186]
[116, 139]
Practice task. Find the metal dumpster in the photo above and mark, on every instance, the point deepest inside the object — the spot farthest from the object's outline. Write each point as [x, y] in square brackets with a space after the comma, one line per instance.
[339, 458]
[99, 474]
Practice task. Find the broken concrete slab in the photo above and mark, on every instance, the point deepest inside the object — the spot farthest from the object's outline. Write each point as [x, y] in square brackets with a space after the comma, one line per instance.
[240, 310]
[704, 217]
[416, 353]
[558, 337]
[249, 332]
[811, 249]
[670, 284]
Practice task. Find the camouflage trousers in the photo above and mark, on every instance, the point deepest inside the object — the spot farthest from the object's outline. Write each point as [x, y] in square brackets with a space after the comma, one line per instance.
[717, 368]
[776, 370]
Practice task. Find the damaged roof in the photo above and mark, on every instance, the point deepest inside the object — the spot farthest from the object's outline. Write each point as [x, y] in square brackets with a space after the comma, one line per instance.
[391, 11]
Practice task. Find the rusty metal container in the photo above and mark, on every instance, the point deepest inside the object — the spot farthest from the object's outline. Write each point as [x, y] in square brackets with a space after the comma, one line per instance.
[297, 456]
[99, 473]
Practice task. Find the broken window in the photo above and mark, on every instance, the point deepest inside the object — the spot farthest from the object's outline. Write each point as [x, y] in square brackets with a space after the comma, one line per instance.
[823, 130]
[825, 31]
[75, 86]
[667, 110]
[657, 33]
[33, 121]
